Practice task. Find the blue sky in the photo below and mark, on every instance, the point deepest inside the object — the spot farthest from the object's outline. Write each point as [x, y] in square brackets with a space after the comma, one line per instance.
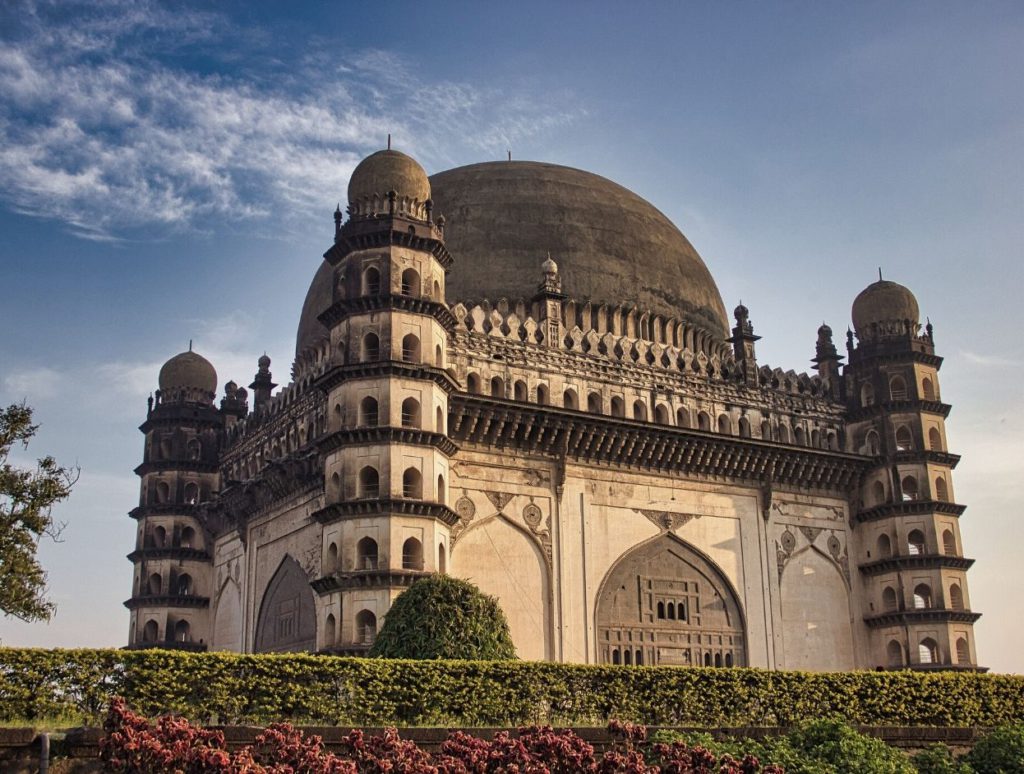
[168, 172]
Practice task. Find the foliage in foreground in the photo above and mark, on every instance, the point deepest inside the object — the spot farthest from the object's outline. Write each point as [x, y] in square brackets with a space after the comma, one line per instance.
[826, 746]
[237, 688]
[26, 497]
[133, 744]
[444, 617]
[1000, 751]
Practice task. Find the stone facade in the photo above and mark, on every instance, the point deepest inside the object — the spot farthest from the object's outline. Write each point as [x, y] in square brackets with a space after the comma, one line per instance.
[631, 484]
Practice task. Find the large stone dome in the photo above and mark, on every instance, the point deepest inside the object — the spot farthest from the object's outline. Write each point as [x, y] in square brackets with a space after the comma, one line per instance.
[503, 218]
[188, 371]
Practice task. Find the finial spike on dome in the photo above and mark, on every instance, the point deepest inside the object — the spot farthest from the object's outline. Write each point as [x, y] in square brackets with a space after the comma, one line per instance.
[879, 273]
[389, 140]
[190, 345]
[509, 154]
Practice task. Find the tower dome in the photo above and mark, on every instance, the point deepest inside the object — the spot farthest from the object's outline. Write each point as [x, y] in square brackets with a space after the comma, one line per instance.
[884, 302]
[381, 173]
[188, 371]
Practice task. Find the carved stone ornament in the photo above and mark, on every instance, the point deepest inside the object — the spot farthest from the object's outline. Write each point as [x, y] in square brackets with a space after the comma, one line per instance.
[311, 562]
[811, 533]
[834, 546]
[782, 555]
[788, 541]
[666, 520]
[532, 516]
[499, 499]
[465, 508]
[834, 512]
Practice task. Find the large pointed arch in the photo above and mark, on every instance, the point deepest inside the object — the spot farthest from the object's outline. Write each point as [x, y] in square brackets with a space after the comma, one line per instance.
[506, 562]
[666, 602]
[227, 619]
[817, 630]
[287, 620]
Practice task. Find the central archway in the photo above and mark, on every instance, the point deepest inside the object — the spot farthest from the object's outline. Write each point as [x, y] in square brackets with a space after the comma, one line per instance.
[287, 619]
[664, 602]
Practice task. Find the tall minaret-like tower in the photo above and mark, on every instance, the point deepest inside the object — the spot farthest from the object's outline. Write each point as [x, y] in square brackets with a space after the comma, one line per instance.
[386, 453]
[912, 561]
[173, 577]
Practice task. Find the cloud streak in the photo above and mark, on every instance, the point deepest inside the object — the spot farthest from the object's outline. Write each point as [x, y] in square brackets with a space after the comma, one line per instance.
[101, 129]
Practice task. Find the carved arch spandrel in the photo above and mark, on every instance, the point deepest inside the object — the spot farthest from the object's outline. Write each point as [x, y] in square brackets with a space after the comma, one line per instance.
[531, 522]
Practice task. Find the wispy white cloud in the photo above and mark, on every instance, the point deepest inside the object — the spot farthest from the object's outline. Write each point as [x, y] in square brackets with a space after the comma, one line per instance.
[983, 359]
[114, 142]
[37, 382]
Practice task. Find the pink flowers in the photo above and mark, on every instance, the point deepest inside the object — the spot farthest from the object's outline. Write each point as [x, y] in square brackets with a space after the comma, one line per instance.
[172, 744]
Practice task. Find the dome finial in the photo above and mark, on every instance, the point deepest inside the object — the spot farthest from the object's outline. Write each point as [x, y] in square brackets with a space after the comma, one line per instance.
[879, 273]
[190, 345]
[389, 140]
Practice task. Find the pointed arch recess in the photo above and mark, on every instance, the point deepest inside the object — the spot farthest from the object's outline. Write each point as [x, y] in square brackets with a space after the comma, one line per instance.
[287, 619]
[227, 620]
[506, 561]
[816, 620]
[709, 621]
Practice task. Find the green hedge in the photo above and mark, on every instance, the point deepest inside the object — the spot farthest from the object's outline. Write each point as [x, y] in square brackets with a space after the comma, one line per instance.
[234, 688]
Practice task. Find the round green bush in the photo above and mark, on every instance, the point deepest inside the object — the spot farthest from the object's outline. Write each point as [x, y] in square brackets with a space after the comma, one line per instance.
[1000, 751]
[831, 746]
[441, 617]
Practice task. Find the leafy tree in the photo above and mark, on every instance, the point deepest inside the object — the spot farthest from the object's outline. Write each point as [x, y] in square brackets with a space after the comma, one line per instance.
[26, 497]
[444, 617]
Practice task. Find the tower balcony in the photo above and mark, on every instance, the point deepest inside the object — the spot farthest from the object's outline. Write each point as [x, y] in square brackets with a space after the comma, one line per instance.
[386, 435]
[370, 507]
[181, 553]
[367, 579]
[899, 406]
[167, 600]
[920, 616]
[164, 509]
[909, 508]
[915, 562]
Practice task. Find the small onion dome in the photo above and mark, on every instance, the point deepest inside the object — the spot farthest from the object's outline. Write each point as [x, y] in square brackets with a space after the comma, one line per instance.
[241, 393]
[825, 330]
[230, 389]
[884, 302]
[383, 172]
[188, 371]
[549, 266]
[740, 312]
[263, 362]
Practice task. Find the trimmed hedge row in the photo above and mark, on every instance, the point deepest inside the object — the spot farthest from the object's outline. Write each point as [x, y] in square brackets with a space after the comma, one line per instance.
[235, 688]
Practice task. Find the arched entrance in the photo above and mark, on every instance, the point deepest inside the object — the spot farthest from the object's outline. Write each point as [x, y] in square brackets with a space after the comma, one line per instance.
[664, 602]
[287, 616]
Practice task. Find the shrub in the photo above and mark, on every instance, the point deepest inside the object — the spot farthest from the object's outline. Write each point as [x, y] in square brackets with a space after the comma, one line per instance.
[133, 744]
[444, 617]
[1000, 751]
[246, 688]
[815, 747]
[822, 746]
[938, 759]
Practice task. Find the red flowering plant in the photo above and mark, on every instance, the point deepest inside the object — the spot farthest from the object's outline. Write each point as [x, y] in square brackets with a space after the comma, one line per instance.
[133, 744]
